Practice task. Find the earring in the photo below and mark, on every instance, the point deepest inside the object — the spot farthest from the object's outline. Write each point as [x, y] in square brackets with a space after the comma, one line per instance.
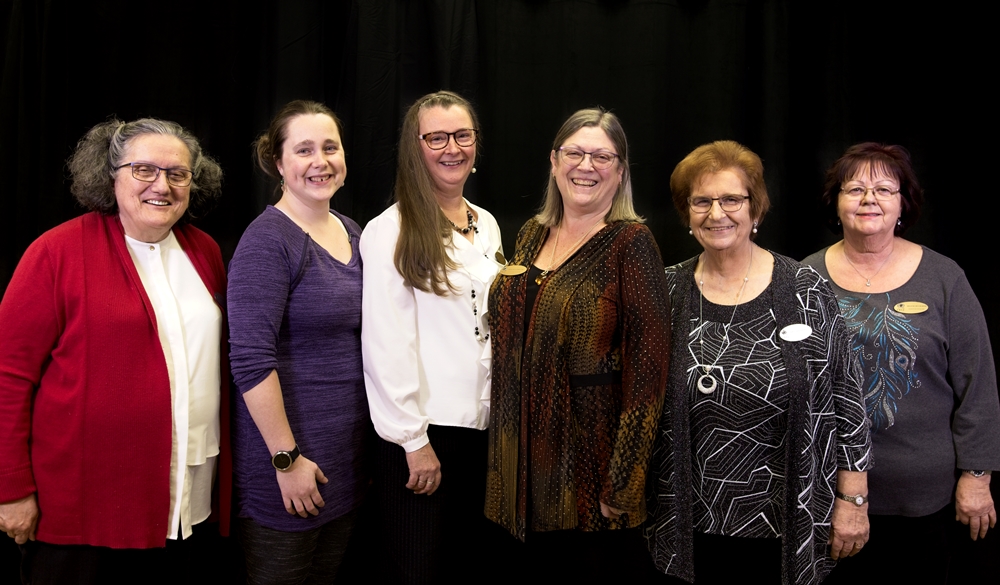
[690, 232]
[473, 170]
[838, 222]
[755, 227]
[281, 185]
[899, 222]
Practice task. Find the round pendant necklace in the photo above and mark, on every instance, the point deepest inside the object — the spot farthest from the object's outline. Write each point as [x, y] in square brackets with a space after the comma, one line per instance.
[707, 382]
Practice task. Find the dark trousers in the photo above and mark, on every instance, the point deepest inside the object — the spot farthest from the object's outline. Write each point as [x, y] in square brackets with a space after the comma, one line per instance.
[192, 560]
[441, 538]
[275, 557]
[910, 550]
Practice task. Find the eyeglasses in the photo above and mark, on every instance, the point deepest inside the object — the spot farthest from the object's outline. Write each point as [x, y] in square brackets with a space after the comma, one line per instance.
[728, 203]
[439, 140]
[149, 173]
[881, 192]
[601, 159]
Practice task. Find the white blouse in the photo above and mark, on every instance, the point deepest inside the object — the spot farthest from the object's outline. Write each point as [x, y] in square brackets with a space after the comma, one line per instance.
[423, 361]
[189, 324]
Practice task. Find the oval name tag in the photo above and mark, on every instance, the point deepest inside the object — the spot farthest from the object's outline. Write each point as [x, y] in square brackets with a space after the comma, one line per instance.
[796, 332]
[910, 307]
[513, 270]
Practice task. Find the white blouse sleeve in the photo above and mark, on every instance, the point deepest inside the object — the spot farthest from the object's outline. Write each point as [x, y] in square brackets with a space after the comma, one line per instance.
[389, 339]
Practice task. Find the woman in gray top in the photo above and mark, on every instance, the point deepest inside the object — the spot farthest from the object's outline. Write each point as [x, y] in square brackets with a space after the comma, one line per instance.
[930, 383]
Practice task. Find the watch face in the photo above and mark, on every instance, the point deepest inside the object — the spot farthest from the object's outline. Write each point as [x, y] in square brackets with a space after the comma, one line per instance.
[859, 501]
[281, 461]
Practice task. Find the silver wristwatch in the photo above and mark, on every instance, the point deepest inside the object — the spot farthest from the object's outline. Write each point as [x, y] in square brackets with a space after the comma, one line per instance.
[858, 499]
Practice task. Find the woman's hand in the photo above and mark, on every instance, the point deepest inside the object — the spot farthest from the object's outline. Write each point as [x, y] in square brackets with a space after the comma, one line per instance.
[425, 470]
[974, 504]
[848, 529]
[299, 489]
[609, 512]
[19, 518]
[849, 524]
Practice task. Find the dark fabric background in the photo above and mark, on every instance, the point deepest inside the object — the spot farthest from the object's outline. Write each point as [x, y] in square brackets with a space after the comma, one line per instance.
[797, 82]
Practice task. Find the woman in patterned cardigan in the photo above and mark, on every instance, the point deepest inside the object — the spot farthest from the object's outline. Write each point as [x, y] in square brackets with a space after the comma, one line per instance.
[764, 434]
[580, 324]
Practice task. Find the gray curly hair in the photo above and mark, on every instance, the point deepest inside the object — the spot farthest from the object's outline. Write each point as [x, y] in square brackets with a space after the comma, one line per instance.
[102, 148]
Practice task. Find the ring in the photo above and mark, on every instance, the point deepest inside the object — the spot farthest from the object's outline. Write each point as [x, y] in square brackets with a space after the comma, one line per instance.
[430, 481]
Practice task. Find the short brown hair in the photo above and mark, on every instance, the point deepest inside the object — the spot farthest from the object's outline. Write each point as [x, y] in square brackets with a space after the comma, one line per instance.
[714, 157]
[890, 159]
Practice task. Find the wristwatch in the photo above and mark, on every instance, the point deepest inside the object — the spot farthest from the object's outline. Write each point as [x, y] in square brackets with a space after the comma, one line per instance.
[978, 472]
[858, 500]
[282, 460]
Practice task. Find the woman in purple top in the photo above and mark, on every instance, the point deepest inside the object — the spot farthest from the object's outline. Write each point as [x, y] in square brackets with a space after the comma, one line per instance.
[295, 323]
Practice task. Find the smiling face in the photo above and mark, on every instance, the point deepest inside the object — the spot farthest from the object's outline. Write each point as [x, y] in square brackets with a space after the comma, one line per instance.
[719, 230]
[312, 159]
[148, 210]
[584, 189]
[449, 167]
[869, 216]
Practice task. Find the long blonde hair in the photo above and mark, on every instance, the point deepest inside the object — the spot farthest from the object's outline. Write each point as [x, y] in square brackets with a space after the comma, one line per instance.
[421, 252]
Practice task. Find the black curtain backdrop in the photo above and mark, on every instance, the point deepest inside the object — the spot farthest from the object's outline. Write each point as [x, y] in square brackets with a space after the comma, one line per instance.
[797, 82]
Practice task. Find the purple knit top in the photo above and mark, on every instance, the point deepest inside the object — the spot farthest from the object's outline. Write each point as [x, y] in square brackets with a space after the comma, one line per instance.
[296, 309]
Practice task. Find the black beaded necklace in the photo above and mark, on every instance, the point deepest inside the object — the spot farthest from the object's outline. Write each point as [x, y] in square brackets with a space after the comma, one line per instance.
[472, 224]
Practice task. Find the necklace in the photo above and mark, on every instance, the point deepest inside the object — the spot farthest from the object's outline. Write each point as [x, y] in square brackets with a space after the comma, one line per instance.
[472, 224]
[482, 338]
[553, 265]
[868, 279]
[707, 382]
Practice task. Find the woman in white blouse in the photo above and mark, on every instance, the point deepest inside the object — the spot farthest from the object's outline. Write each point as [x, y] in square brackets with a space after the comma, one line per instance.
[429, 262]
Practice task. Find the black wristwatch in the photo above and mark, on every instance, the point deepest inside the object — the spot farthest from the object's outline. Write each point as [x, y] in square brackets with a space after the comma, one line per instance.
[858, 500]
[978, 472]
[282, 460]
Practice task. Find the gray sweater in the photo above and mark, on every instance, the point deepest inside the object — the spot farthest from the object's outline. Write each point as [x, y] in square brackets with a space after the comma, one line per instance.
[930, 385]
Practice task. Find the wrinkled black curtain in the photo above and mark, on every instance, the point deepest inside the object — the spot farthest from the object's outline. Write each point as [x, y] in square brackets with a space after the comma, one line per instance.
[797, 82]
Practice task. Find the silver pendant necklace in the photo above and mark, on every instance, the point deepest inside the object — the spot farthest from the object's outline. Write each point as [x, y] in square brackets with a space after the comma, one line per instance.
[707, 382]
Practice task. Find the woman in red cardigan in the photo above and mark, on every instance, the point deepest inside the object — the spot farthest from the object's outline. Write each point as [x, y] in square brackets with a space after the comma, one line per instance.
[111, 371]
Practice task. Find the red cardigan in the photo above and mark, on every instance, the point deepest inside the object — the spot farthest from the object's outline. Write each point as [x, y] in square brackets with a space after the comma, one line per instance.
[85, 416]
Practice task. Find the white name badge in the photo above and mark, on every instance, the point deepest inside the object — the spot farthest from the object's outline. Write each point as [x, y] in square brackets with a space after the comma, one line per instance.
[796, 332]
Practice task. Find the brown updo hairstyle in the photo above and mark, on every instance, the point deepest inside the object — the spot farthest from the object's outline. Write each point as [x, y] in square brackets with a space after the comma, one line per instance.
[102, 149]
[267, 149]
[885, 159]
[721, 155]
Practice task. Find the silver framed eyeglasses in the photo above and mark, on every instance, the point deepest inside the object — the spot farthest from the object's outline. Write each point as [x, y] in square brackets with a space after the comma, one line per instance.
[601, 159]
[439, 140]
[881, 192]
[728, 203]
[148, 173]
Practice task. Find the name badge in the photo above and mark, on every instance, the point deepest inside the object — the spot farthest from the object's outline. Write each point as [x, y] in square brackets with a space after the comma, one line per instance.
[795, 332]
[513, 270]
[910, 307]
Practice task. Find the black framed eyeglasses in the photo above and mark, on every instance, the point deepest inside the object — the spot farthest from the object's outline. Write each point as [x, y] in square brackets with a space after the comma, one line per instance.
[439, 140]
[728, 203]
[601, 159]
[148, 173]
